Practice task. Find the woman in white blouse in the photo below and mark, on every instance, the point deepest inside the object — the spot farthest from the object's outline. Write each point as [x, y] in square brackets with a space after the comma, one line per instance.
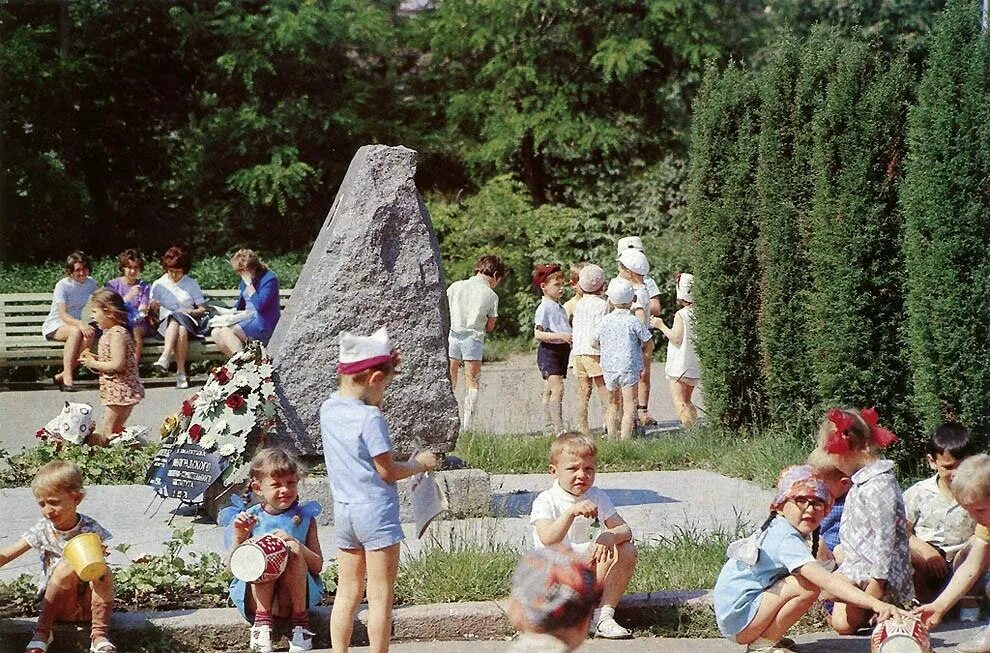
[181, 308]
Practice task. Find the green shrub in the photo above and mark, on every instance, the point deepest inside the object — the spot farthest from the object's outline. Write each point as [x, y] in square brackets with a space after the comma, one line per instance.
[722, 208]
[946, 198]
[857, 306]
[99, 465]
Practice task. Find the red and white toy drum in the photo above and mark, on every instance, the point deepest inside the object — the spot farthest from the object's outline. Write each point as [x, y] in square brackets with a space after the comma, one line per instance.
[900, 635]
[259, 560]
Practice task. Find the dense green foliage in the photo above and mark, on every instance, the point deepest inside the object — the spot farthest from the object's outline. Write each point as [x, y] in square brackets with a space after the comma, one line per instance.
[99, 465]
[947, 204]
[722, 210]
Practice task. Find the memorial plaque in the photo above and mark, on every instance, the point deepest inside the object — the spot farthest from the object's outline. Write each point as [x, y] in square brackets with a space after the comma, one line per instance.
[186, 472]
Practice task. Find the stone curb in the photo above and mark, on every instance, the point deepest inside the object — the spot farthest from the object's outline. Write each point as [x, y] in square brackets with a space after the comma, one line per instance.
[225, 629]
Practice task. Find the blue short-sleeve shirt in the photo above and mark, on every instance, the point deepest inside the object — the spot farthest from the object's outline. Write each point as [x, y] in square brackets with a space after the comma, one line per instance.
[353, 434]
[739, 587]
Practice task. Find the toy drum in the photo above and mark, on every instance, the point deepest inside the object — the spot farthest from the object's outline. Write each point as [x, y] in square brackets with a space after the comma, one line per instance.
[259, 560]
[900, 635]
[85, 553]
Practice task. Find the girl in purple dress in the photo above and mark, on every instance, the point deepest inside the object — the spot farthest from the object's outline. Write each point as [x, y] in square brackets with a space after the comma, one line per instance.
[136, 295]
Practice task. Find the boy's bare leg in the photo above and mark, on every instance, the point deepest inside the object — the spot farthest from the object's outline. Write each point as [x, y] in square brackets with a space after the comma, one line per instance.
[583, 397]
[472, 381]
[612, 413]
[383, 565]
[615, 574]
[847, 619]
[628, 411]
[455, 367]
[262, 596]
[555, 386]
[643, 391]
[351, 565]
[604, 396]
[60, 599]
[101, 603]
[680, 395]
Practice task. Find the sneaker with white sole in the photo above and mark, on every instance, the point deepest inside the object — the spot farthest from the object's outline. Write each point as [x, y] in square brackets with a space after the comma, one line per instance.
[261, 639]
[161, 364]
[302, 640]
[609, 628]
[181, 381]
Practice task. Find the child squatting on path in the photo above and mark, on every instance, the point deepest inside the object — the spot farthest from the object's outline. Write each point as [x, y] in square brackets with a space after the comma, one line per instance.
[566, 513]
[275, 475]
[64, 596]
[873, 530]
[120, 384]
[553, 331]
[971, 488]
[620, 337]
[362, 472]
[553, 594]
[772, 578]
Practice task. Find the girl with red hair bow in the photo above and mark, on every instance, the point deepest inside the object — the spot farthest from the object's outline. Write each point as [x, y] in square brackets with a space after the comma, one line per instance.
[873, 531]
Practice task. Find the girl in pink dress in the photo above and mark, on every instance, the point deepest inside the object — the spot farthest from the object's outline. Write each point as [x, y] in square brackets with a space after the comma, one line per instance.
[120, 384]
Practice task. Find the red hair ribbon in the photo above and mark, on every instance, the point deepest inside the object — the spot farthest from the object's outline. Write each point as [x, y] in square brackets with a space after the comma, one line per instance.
[838, 440]
[880, 436]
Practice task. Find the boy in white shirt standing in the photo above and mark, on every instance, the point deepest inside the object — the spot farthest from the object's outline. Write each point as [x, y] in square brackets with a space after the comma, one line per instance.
[473, 309]
[566, 513]
[588, 313]
[553, 331]
[652, 309]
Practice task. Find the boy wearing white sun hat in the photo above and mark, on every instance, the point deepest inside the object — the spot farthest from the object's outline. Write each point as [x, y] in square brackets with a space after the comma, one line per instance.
[649, 294]
[362, 474]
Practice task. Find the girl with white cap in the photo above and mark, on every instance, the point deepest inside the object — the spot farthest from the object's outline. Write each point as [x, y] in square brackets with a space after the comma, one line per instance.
[682, 368]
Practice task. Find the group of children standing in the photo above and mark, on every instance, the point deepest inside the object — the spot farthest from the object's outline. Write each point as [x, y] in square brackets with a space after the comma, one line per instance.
[604, 333]
[839, 528]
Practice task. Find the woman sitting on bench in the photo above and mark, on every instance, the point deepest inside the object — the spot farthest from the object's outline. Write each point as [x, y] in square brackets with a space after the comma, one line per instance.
[181, 309]
[64, 322]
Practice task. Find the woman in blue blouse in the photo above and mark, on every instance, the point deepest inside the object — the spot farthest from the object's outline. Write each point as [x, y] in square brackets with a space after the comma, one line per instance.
[259, 295]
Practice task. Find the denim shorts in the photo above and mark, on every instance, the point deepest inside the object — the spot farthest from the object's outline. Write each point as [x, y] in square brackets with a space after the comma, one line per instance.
[552, 357]
[366, 526]
[616, 380]
[464, 347]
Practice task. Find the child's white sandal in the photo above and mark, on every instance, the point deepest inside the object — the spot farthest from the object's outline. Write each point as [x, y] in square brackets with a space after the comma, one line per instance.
[38, 645]
[104, 645]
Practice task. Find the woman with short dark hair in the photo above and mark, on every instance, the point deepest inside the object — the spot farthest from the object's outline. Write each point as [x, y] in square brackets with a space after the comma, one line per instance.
[136, 294]
[65, 322]
[181, 309]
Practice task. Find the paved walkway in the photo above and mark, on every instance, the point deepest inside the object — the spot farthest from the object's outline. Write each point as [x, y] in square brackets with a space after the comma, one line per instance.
[509, 402]
[944, 640]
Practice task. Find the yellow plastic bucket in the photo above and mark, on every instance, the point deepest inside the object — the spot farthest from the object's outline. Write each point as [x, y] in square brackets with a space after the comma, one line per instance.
[85, 553]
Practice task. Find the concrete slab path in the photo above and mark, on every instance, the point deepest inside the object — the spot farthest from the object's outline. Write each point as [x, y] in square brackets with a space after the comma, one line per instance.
[509, 402]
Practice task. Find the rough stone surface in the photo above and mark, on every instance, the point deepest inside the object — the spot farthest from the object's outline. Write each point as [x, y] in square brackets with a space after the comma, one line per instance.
[468, 495]
[375, 262]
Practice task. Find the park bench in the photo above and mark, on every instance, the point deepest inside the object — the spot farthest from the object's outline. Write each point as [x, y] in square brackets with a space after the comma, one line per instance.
[22, 345]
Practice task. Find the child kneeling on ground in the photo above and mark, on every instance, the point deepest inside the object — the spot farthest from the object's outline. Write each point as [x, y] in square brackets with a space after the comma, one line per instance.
[275, 475]
[64, 596]
[566, 513]
[772, 578]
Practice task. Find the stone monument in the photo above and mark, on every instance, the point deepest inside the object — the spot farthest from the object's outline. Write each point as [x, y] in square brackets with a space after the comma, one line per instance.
[375, 262]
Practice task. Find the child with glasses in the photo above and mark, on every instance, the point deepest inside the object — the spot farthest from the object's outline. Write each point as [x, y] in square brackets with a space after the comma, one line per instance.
[772, 578]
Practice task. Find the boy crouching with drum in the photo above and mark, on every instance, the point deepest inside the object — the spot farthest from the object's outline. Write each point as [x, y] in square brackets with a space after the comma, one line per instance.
[275, 552]
[64, 595]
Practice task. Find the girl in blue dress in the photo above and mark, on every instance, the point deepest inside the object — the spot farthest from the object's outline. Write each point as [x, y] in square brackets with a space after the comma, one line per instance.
[275, 476]
[772, 578]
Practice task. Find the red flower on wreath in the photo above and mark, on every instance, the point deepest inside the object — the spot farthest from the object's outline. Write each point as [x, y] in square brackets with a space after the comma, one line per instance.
[187, 409]
[196, 432]
[221, 374]
[235, 401]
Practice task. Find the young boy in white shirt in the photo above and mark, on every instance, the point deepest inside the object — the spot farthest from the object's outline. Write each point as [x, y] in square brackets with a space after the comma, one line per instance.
[567, 512]
[652, 309]
[473, 309]
[620, 337]
[588, 313]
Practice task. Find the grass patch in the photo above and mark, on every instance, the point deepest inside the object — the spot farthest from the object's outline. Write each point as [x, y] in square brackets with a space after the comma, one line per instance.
[502, 347]
[758, 458]
[688, 559]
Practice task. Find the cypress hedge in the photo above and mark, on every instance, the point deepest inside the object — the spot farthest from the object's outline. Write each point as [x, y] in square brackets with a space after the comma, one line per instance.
[724, 233]
[946, 198]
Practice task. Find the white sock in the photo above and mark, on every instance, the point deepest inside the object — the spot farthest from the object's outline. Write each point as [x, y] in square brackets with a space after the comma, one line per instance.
[470, 397]
[605, 612]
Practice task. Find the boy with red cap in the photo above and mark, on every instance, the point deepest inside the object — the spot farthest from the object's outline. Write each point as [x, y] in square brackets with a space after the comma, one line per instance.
[362, 473]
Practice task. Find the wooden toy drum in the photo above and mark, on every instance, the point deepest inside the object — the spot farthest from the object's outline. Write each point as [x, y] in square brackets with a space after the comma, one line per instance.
[85, 554]
[900, 635]
[260, 559]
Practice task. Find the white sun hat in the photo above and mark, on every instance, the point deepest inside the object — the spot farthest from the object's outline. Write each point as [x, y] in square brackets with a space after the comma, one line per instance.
[359, 353]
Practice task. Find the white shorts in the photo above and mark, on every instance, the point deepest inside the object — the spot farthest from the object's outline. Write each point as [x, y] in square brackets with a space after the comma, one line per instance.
[464, 347]
[616, 380]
